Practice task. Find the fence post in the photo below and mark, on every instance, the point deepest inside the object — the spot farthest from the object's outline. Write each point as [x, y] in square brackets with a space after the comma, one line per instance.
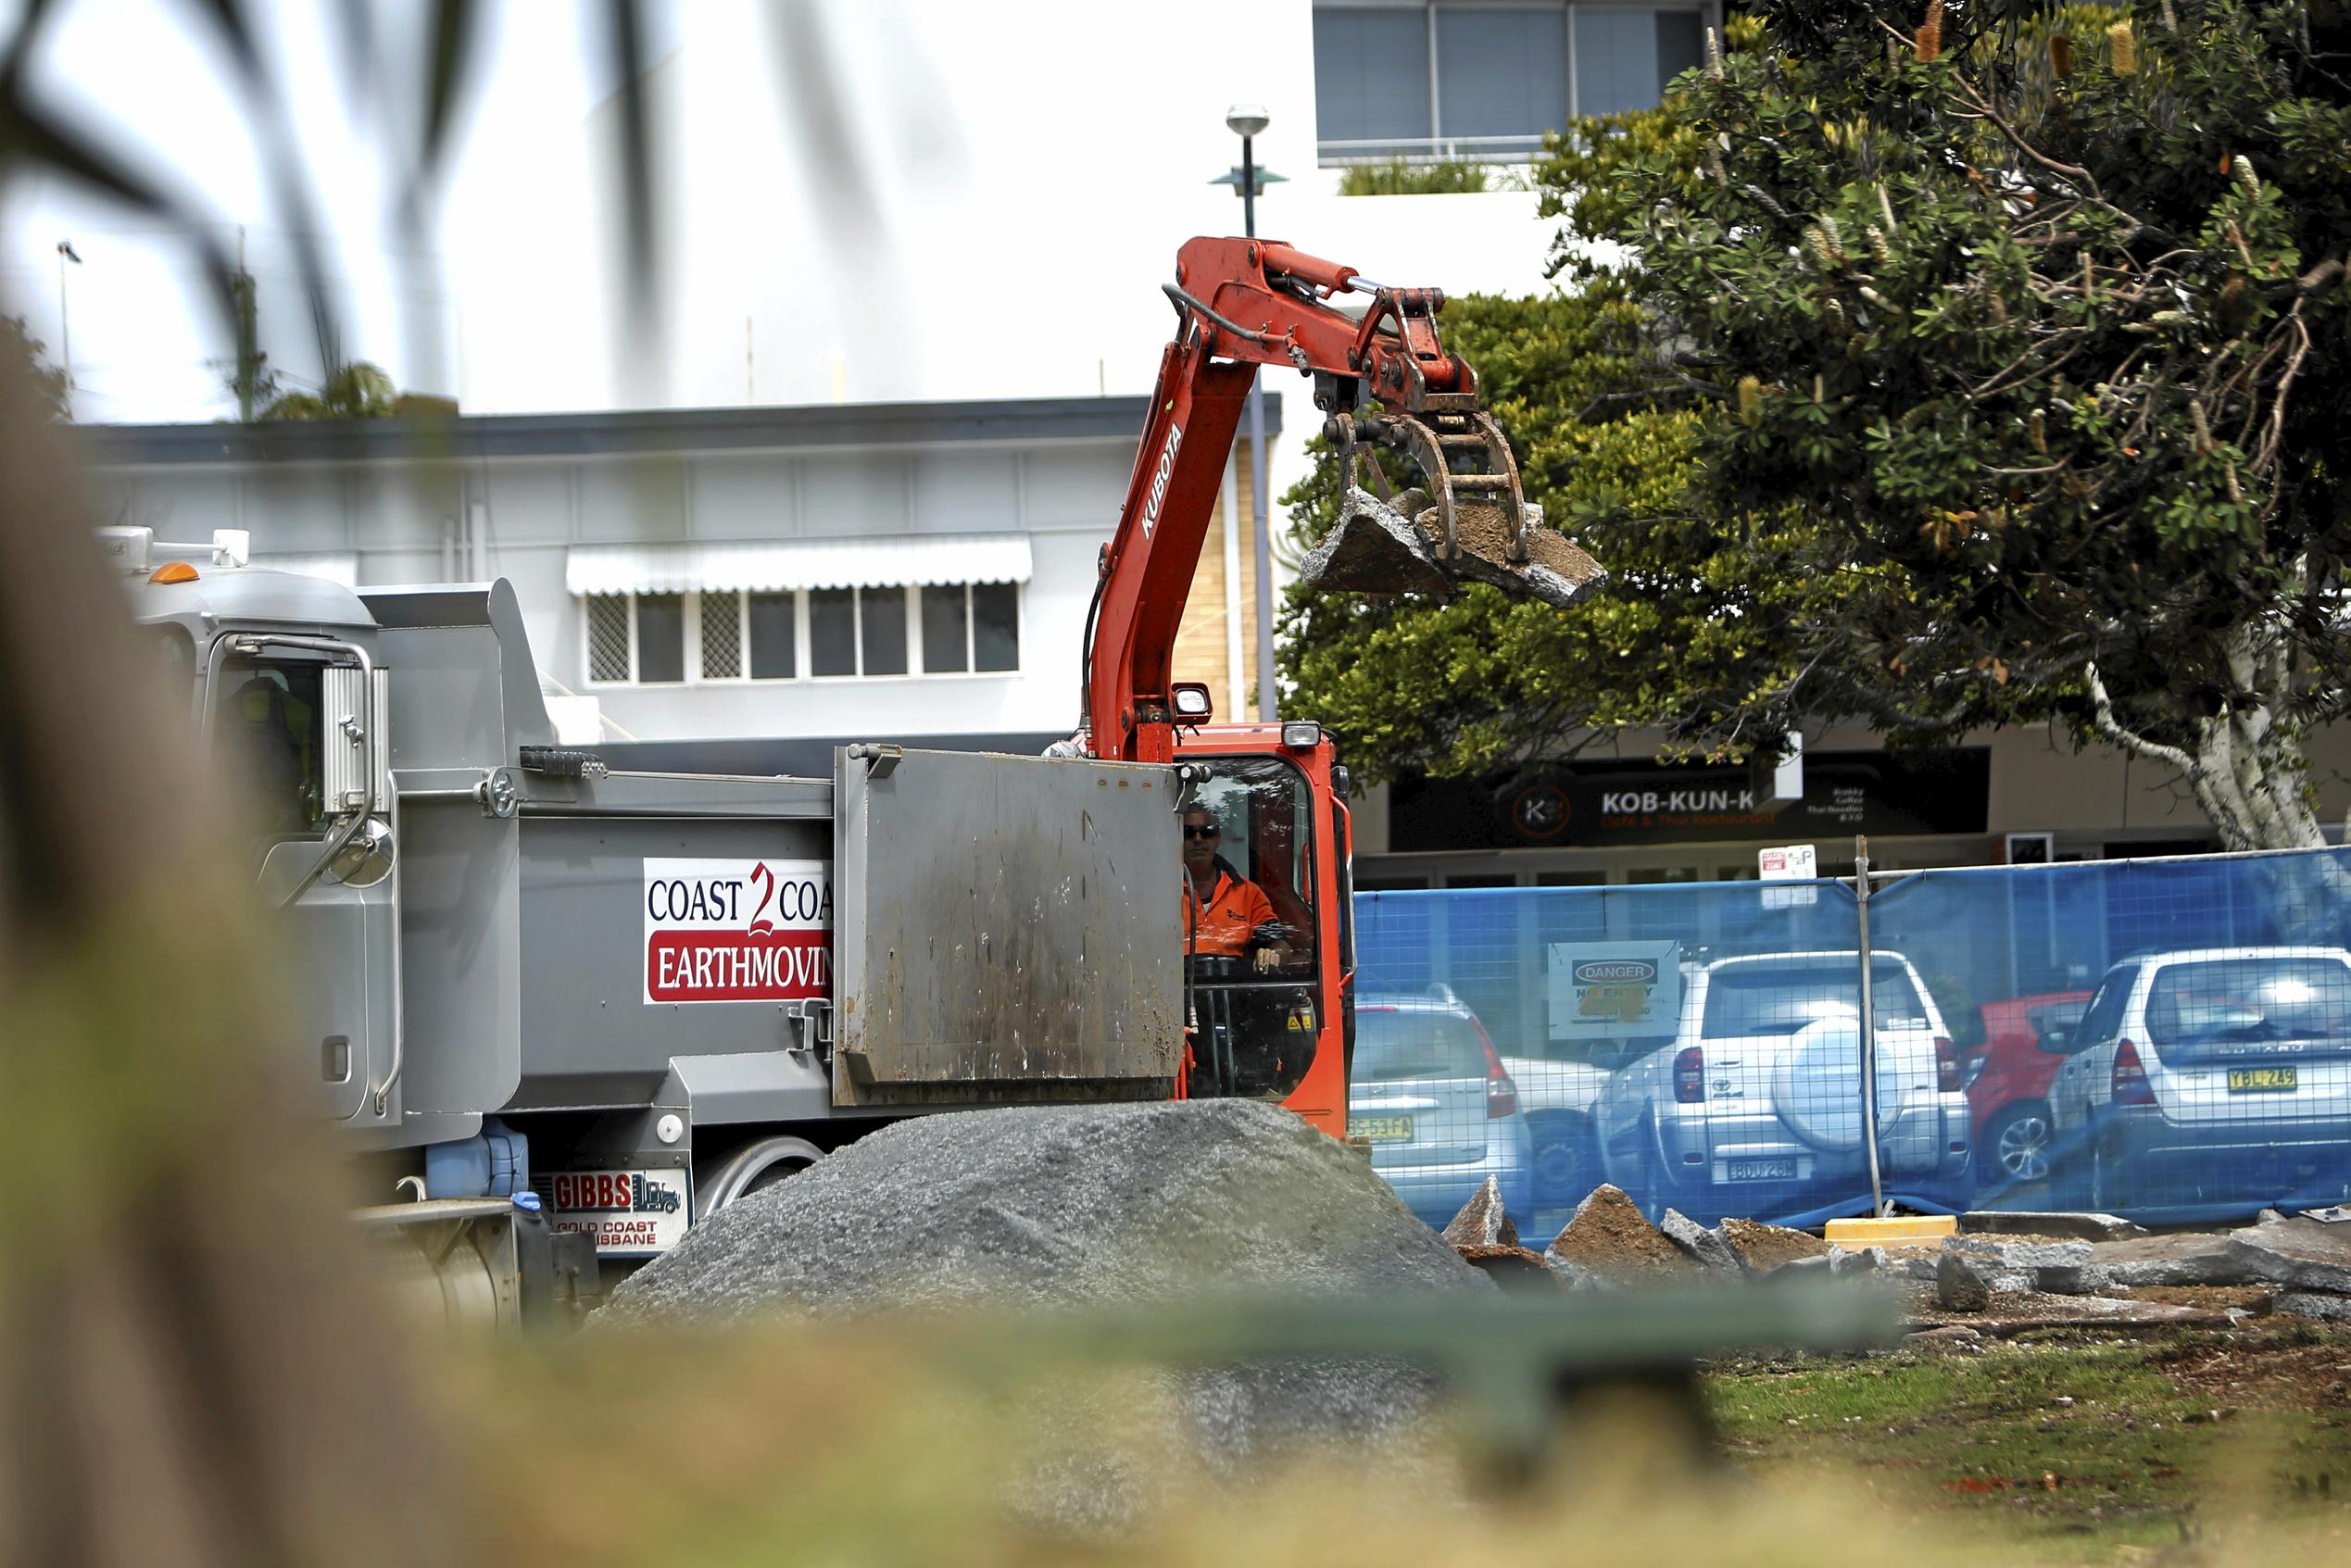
[1868, 1027]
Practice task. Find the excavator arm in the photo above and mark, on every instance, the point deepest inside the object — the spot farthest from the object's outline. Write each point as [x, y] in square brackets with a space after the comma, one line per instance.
[1244, 303]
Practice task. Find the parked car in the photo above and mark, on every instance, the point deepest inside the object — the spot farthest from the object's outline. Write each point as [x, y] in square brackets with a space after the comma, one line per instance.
[1430, 1097]
[2008, 1094]
[2213, 1077]
[1755, 1106]
[1557, 1090]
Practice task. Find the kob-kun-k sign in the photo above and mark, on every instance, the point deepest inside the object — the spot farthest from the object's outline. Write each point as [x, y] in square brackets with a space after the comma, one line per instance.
[737, 931]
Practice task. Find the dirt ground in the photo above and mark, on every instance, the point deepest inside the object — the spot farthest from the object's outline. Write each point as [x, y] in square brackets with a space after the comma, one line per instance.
[2075, 1445]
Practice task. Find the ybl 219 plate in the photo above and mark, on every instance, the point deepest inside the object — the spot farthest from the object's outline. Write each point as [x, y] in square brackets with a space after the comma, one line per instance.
[2258, 1080]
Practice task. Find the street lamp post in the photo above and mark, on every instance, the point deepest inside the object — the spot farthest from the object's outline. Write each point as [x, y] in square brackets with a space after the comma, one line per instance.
[65, 324]
[1246, 121]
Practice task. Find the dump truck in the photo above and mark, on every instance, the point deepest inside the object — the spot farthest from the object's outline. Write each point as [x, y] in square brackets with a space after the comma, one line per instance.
[563, 1008]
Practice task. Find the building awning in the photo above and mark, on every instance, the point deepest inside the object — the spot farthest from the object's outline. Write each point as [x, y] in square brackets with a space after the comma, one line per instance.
[896, 560]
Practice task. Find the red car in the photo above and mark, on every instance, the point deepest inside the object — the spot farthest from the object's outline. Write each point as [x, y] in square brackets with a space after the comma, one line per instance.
[2007, 1097]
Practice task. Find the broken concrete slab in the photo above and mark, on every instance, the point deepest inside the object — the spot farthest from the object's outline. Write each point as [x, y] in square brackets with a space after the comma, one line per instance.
[2186, 1259]
[2110, 1315]
[1706, 1247]
[1483, 1221]
[2072, 1225]
[1609, 1235]
[2310, 1253]
[1959, 1287]
[2019, 1257]
[2315, 1304]
[1862, 1260]
[1762, 1247]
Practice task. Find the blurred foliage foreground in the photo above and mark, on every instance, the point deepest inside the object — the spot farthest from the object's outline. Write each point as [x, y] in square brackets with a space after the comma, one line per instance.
[916, 1443]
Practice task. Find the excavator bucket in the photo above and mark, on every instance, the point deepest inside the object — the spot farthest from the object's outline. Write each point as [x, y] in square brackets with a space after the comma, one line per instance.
[1379, 547]
[1470, 524]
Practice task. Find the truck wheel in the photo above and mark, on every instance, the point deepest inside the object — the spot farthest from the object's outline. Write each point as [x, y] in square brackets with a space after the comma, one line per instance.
[752, 1168]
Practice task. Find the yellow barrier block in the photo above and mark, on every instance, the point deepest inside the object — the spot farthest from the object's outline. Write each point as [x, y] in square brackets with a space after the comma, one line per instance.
[1894, 1232]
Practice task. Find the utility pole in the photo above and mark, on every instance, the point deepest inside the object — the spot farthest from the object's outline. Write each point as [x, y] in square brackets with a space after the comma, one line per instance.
[64, 321]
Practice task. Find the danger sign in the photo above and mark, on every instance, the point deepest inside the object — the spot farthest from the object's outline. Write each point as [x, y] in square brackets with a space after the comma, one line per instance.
[737, 931]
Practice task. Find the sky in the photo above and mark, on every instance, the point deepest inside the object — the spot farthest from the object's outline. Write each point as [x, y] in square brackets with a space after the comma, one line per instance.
[144, 341]
[857, 200]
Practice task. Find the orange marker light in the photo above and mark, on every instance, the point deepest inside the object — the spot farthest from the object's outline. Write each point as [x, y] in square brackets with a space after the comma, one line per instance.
[173, 571]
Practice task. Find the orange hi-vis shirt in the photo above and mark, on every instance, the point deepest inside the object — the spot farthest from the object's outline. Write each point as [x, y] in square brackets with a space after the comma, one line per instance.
[1221, 928]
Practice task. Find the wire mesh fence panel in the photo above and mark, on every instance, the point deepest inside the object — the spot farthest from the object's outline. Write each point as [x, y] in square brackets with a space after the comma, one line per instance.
[2170, 1040]
[1699, 1045]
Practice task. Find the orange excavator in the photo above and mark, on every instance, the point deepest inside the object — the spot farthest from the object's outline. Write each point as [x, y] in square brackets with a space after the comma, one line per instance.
[1279, 1021]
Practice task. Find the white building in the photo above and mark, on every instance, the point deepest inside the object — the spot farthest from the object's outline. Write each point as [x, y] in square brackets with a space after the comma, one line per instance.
[878, 569]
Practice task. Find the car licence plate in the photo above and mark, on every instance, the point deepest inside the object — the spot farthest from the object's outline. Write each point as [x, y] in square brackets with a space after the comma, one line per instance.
[630, 1213]
[2261, 1080]
[1381, 1129]
[1760, 1169]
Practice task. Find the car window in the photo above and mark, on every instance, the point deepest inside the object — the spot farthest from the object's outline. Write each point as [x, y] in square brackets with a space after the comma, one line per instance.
[2061, 1015]
[1395, 1044]
[1777, 998]
[2234, 1000]
[2103, 1018]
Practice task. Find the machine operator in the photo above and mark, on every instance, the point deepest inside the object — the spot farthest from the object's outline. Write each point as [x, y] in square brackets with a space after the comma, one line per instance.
[1226, 915]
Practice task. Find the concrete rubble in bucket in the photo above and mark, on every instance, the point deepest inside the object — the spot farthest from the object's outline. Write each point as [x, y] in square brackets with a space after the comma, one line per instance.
[1110, 1205]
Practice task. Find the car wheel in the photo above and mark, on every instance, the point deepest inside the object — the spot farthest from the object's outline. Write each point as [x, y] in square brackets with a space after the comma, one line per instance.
[2017, 1144]
[1565, 1164]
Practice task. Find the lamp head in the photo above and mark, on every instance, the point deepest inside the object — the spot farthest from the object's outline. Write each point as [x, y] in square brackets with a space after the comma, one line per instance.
[1247, 120]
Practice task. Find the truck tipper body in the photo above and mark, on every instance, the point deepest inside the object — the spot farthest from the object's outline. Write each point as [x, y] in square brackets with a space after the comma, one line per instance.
[642, 994]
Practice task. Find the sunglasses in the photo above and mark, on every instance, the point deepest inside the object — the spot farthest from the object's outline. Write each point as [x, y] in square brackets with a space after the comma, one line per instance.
[1192, 832]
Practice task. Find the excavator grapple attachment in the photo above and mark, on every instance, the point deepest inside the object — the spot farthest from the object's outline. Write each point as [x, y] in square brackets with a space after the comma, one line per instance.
[1470, 525]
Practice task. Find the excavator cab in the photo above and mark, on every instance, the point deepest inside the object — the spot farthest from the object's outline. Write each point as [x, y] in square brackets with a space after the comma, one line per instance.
[1267, 996]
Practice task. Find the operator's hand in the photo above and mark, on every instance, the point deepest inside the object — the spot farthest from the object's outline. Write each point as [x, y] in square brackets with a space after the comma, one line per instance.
[1266, 959]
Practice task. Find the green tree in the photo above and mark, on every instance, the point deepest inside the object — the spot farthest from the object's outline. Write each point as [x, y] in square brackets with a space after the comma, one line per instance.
[357, 391]
[2037, 312]
[21, 354]
[1694, 633]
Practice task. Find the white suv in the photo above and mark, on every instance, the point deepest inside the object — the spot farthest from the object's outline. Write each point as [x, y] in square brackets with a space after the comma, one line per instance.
[2208, 1081]
[1755, 1106]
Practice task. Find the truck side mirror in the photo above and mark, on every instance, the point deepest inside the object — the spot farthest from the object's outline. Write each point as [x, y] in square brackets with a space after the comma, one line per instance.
[357, 769]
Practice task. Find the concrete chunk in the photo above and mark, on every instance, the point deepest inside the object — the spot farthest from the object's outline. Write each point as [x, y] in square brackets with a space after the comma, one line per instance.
[2310, 1253]
[1483, 1221]
[1609, 1235]
[1706, 1247]
[2074, 1225]
[1959, 1287]
[2147, 1260]
[2314, 1304]
[1762, 1246]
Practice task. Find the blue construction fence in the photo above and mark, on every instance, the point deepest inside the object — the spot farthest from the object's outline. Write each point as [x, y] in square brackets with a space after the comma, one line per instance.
[2167, 1041]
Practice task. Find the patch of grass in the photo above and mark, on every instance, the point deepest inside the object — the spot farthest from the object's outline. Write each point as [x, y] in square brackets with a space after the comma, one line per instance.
[1447, 178]
[2049, 1442]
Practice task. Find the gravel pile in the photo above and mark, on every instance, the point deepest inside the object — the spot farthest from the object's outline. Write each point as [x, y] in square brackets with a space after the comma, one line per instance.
[1066, 1206]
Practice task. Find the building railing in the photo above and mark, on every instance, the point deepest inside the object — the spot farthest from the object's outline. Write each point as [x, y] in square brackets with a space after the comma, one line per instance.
[1428, 149]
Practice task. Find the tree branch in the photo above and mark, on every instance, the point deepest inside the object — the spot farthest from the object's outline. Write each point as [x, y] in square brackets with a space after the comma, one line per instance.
[2103, 715]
